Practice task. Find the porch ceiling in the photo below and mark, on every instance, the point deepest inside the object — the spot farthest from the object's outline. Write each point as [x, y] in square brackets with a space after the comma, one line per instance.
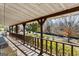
[20, 12]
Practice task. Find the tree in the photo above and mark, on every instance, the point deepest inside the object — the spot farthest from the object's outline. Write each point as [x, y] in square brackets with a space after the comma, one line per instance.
[69, 26]
[47, 26]
[28, 28]
[34, 27]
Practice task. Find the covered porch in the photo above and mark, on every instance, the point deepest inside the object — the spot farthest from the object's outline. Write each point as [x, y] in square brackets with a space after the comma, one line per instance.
[18, 17]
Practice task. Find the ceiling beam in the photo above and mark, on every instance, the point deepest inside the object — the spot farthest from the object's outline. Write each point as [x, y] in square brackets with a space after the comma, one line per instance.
[53, 15]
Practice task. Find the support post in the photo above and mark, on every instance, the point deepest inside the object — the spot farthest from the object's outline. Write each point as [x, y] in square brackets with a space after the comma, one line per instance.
[41, 22]
[12, 29]
[9, 29]
[24, 32]
[16, 29]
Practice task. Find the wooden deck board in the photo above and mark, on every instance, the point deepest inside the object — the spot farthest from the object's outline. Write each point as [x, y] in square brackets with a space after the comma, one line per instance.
[26, 50]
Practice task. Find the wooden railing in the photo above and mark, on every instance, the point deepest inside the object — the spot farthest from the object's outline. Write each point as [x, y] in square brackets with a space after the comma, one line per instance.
[50, 47]
[18, 36]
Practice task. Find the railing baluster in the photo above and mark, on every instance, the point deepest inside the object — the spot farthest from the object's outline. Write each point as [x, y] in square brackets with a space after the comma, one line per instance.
[46, 46]
[27, 40]
[38, 43]
[63, 49]
[71, 50]
[35, 43]
[56, 48]
[30, 43]
[50, 47]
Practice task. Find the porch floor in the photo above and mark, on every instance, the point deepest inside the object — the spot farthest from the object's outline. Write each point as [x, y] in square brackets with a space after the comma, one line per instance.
[25, 49]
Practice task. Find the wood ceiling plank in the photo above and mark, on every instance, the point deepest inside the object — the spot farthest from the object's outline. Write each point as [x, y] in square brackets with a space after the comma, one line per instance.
[74, 9]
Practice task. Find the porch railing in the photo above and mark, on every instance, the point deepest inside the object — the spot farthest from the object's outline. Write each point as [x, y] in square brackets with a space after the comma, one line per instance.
[50, 47]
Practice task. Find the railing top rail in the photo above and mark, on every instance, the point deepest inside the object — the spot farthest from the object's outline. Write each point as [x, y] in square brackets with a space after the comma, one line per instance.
[72, 44]
[60, 35]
